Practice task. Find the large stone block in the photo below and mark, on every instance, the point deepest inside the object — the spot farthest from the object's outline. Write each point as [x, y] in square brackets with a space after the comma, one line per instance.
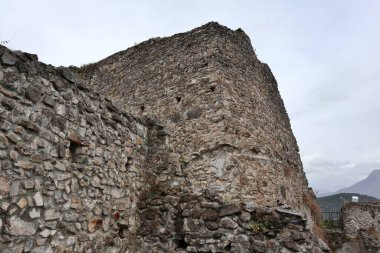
[18, 227]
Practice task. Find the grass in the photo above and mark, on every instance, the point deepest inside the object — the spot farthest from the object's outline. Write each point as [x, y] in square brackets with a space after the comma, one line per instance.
[316, 214]
[257, 227]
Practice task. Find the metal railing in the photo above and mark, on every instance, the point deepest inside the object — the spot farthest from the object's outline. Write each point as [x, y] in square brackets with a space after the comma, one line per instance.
[330, 216]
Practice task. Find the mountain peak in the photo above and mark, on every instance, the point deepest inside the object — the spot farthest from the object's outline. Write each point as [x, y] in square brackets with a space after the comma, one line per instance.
[368, 186]
[375, 173]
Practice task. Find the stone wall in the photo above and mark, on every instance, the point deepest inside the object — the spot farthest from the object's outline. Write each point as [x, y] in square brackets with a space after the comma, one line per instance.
[361, 224]
[221, 107]
[72, 163]
[220, 172]
[189, 222]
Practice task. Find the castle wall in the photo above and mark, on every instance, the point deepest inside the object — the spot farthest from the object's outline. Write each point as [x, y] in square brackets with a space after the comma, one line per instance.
[221, 107]
[79, 174]
[361, 224]
[72, 164]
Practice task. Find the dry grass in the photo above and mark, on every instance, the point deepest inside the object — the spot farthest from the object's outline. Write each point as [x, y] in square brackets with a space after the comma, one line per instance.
[316, 214]
[314, 207]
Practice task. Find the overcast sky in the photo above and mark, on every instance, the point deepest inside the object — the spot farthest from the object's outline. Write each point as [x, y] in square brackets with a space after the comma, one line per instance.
[325, 55]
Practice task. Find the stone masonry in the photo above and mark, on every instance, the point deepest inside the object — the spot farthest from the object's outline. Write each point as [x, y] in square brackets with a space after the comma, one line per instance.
[72, 163]
[219, 104]
[178, 144]
[361, 224]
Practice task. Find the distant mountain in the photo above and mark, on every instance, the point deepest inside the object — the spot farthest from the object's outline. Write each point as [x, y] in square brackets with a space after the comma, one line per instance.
[322, 192]
[369, 186]
[333, 203]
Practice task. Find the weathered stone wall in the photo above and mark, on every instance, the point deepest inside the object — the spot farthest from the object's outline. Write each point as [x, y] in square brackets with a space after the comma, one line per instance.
[72, 164]
[208, 226]
[79, 174]
[221, 107]
[361, 224]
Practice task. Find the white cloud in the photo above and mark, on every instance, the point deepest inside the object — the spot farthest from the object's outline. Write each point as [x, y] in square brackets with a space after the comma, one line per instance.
[330, 174]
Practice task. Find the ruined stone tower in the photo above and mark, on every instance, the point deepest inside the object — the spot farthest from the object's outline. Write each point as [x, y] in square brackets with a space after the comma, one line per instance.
[219, 104]
[178, 144]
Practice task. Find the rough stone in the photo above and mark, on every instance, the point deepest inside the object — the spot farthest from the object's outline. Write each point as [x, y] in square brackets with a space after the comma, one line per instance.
[22, 203]
[13, 137]
[38, 199]
[35, 93]
[3, 141]
[8, 59]
[245, 216]
[51, 224]
[94, 224]
[34, 213]
[29, 184]
[68, 75]
[45, 233]
[228, 223]
[13, 155]
[4, 206]
[51, 214]
[60, 84]
[210, 214]
[4, 185]
[24, 164]
[229, 209]
[70, 216]
[14, 189]
[18, 227]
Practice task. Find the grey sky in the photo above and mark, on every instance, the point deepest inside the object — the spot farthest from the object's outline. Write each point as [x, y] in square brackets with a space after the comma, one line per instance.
[324, 53]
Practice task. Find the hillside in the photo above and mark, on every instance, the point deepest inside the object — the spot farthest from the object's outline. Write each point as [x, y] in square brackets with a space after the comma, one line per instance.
[333, 203]
[369, 186]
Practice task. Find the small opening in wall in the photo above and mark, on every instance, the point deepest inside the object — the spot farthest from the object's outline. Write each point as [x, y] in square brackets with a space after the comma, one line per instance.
[122, 230]
[129, 163]
[73, 150]
[228, 247]
[181, 244]
[178, 99]
[142, 108]
[255, 150]
[212, 89]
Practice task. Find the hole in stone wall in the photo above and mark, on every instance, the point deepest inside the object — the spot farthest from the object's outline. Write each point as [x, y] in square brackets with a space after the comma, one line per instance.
[255, 150]
[181, 244]
[228, 247]
[123, 230]
[73, 150]
[142, 108]
[283, 192]
[212, 89]
[129, 163]
[178, 99]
